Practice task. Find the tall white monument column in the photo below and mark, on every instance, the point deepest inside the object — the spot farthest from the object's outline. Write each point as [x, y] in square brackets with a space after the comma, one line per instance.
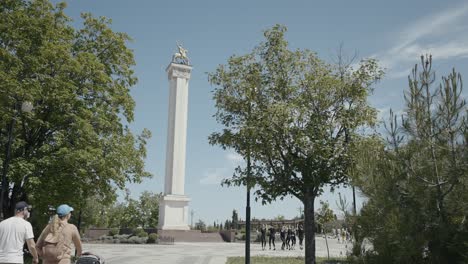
[173, 208]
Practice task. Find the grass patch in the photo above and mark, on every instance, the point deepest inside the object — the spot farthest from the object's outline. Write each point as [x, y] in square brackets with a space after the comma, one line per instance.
[283, 260]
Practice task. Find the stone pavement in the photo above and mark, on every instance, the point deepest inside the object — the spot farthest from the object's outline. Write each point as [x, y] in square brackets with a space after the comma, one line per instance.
[200, 253]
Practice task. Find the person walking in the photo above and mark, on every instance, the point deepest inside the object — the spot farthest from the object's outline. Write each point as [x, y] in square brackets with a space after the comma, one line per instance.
[343, 236]
[288, 238]
[293, 238]
[14, 232]
[263, 236]
[272, 234]
[54, 243]
[283, 237]
[300, 234]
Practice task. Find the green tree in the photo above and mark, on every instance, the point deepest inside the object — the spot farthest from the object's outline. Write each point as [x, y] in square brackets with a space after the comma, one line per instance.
[95, 212]
[133, 213]
[228, 225]
[235, 220]
[114, 215]
[74, 143]
[416, 179]
[324, 217]
[200, 225]
[279, 217]
[291, 113]
[130, 215]
[149, 208]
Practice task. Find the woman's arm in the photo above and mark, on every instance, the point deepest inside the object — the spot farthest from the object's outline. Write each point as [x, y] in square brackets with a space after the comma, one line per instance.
[40, 240]
[77, 242]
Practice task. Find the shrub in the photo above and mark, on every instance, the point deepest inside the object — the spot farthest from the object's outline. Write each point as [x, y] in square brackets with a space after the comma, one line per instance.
[114, 231]
[152, 238]
[137, 240]
[141, 233]
[121, 236]
[106, 238]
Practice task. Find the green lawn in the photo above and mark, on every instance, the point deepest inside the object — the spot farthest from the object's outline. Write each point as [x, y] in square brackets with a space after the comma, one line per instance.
[282, 260]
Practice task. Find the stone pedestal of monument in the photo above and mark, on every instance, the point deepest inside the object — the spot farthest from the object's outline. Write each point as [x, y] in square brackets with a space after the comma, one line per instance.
[173, 208]
[173, 212]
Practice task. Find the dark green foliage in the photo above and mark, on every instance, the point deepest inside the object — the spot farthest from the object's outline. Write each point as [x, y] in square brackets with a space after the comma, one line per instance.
[290, 114]
[228, 225]
[235, 220]
[200, 225]
[417, 180]
[152, 238]
[114, 231]
[141, 233]
[134, 213]
[74, 144]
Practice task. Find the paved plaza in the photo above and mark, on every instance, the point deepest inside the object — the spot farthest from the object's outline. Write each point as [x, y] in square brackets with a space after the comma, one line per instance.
[200, 253]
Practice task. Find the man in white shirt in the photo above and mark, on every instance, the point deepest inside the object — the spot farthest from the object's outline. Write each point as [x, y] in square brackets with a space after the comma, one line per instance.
[14, 232]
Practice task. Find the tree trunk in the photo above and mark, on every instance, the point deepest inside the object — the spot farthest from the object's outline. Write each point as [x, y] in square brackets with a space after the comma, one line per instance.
[326, 242]
[79, 221]
[355, 232]
[309, 227]
[6, 163]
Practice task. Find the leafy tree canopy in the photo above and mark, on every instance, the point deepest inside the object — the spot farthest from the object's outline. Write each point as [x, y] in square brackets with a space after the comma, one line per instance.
[292, 115]
[74, 144]
[416, 178]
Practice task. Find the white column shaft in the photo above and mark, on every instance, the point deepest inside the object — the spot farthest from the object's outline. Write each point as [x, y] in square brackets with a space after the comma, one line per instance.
[176, 132]
[173, 208]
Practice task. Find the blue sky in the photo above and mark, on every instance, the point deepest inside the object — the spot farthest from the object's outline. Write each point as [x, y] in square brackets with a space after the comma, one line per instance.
[395, 32]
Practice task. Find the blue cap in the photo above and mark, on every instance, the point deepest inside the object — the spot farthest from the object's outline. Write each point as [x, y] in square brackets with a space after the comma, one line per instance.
[64, 209]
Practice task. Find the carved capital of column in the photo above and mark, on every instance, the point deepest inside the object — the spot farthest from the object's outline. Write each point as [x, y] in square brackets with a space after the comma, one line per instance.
[175, 70]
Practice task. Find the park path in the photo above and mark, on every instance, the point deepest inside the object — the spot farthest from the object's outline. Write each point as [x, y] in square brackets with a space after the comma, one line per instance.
[199, 253]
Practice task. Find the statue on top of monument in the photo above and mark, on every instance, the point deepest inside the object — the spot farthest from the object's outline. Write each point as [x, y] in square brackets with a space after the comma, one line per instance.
[181, 56]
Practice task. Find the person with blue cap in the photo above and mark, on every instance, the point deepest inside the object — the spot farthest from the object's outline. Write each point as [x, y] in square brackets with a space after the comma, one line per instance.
[14, 232]
[54, 243]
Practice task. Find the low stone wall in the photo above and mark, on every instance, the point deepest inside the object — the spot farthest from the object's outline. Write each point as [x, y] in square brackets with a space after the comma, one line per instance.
[128, 231]
[174, 235]
[228, 235]
[95, 233]
[191, 236]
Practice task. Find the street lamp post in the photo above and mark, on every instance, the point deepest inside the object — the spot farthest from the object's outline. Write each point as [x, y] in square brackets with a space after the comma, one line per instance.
[25, 107]
[248, 179]
[247, 213]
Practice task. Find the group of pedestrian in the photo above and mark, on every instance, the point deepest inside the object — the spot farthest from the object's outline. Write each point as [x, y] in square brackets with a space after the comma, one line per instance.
[343, 235]
[271, 236]
[288, 236]
[53, 245]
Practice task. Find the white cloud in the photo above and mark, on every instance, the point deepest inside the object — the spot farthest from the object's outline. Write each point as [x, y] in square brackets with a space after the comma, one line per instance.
[214, 176]
[436, 24]
[397, 74]
[383, 114]
[234, 158]
[424, 37]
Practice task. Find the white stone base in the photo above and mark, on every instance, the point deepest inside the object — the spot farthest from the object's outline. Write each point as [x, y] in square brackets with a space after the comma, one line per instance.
[173, 212]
